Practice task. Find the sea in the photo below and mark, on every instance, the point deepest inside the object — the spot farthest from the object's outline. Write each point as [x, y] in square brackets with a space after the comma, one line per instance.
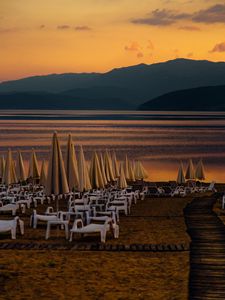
[161, 140]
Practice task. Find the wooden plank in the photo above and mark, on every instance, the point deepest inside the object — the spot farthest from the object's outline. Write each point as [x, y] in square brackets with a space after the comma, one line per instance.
[207, 250]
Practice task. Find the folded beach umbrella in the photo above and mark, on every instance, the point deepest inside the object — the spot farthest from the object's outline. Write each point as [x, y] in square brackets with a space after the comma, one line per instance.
[131, 171]
[190, 173]
[102, 167]
[199, 171]
[33, 166]
[108, 167]
[126, 169]
[95, 173]
[115, 165]
[21, 173]
[43, 176]
[122, 183]
[71, 165]
[10, 172]
[140, 173]
[180, 175]
[84, 179]
[2, 166]
[56, 177]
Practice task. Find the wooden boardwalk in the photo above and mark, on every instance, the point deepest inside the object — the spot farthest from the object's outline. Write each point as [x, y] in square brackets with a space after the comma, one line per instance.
[207, 250]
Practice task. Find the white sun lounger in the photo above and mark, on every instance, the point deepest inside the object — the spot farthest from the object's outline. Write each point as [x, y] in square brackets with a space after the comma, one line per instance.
[9, 207]
[10, 225]
[34, 218]
[92, 228]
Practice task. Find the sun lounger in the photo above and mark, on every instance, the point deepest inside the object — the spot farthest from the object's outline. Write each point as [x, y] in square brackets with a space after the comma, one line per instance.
[37, 217]
[10, 225]
[9, 207]
[92, 228]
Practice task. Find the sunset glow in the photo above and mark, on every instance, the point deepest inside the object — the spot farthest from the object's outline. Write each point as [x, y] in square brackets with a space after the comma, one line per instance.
[42, 37]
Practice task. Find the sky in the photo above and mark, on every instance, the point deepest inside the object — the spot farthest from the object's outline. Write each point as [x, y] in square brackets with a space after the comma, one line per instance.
[60, 36]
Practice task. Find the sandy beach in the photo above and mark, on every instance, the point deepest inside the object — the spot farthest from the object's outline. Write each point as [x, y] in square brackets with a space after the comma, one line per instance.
[67, 274]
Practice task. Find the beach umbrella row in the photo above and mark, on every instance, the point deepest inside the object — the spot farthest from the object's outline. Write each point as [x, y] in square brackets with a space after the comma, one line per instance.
[78, 176]
[191, 173]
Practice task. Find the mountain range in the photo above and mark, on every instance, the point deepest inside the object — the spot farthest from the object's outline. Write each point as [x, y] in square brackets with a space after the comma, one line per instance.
[122, 88]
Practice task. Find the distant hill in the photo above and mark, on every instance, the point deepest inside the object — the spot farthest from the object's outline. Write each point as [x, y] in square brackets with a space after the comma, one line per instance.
[32, 100]
[125, 88]
[211, 98]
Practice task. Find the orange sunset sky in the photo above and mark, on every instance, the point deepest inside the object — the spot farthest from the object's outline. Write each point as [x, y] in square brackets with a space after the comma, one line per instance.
[57, 36]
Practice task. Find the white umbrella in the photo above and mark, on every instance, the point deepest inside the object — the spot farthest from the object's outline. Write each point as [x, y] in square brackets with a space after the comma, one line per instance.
[21, 173]
[131, 171]
[139, 172]
[180, 175]
[126, 169]
[71, 165]
[2, 166]
[115, 165]
[33, 166]
[10, 173]
[56, 178]
[84, 179]
[95, 173]
[43, 176]
[108, 167]
[102, 167]
[200, 172]
[122, 183]
[190, 173]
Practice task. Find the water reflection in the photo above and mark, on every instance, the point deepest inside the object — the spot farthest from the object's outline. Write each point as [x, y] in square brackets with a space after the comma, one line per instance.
[161, 140]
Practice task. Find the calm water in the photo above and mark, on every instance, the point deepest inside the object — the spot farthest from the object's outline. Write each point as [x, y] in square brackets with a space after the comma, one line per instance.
[159, 139]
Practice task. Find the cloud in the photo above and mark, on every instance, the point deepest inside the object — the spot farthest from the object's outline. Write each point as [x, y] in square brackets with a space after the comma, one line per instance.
[150, 45]
[218, 48]
[134, 46]
[140, 55]
[9, 30]
[161, 17]
[189, 28]
[165, 17]
[190, 54]
[213, 14]
[63, 27]
[82, 28]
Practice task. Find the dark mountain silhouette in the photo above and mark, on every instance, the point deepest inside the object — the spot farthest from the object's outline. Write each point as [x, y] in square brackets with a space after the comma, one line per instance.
[32, 100]
[130, 86]
[211, 98]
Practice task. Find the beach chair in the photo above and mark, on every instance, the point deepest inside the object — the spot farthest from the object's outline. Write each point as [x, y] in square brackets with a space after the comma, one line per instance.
[78, 227]
[11, 225]
[34, 218]
[102, 216]
[9, 208]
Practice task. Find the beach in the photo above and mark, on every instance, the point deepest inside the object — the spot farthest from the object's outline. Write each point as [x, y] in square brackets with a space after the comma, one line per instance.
[66, 274]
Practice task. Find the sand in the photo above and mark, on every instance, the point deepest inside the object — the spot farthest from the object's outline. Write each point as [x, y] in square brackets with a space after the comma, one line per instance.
[102, 275]
[69, 274]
